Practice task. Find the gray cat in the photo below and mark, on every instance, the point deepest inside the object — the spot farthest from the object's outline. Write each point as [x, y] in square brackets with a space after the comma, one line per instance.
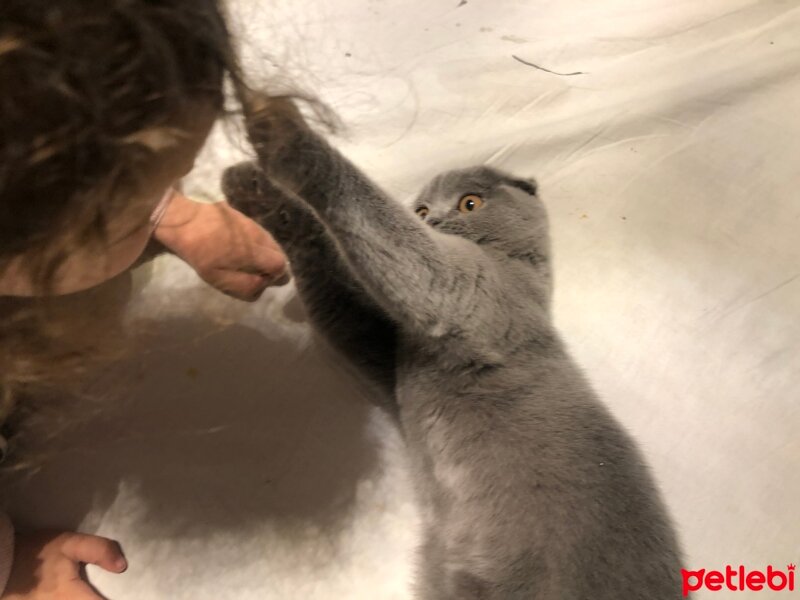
[530, 490]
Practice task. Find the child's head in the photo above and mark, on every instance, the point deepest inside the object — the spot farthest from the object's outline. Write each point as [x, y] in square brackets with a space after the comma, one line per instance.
[104, 105]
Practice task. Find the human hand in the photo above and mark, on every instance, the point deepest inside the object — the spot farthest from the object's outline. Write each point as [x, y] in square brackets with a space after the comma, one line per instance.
[227, 249]
[47, 565]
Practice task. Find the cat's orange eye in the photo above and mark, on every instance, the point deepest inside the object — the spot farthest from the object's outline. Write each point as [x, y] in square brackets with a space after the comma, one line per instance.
[469, 203]
[422, 212]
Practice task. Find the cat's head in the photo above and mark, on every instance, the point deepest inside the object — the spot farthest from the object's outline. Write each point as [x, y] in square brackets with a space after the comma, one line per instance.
[490, 208]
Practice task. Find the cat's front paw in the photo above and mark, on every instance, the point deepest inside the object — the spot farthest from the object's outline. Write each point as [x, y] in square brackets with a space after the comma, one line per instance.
[249, 191]
[273, 123]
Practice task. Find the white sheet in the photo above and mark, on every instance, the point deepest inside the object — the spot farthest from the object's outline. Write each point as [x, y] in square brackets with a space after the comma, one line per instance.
[240, 462]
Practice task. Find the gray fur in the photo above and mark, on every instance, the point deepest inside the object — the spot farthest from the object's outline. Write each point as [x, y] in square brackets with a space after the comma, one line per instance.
[530, 490]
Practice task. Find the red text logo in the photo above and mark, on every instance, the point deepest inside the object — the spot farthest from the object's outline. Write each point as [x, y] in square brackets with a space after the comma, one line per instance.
[738, 580]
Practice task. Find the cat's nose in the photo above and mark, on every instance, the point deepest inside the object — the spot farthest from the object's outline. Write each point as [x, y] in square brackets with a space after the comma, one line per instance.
[433, 221]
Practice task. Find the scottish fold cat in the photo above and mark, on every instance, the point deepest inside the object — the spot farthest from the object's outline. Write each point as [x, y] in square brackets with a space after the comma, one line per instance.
[529, 488]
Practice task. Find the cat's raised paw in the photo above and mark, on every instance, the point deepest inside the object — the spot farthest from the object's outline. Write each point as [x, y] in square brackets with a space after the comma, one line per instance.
[272, 122]
[250, 191]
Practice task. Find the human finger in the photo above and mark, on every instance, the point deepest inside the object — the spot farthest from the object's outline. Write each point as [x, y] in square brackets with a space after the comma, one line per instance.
[95, 550]
[239, 284]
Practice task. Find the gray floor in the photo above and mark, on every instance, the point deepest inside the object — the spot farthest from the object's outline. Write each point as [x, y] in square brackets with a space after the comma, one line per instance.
[239, 461]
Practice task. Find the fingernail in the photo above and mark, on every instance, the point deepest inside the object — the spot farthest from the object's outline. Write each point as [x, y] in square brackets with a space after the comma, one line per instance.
[121, 564]
[281, 279]
[272, 279]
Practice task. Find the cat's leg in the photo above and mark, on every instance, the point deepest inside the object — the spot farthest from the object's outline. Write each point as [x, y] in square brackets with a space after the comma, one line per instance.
[429, 579]
[426, 280]
[336, 303]
[435, 583]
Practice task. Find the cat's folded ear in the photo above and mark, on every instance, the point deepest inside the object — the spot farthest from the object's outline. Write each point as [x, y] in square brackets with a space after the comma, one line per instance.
[529, 185]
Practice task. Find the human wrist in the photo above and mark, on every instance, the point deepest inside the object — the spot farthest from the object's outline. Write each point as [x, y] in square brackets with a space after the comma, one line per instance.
[174, 224]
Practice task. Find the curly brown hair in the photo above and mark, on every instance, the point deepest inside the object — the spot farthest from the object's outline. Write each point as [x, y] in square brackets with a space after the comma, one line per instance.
[84, 83]
[89, 89]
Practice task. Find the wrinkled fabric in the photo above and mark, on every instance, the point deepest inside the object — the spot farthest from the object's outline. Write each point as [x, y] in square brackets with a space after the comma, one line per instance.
[239, 459]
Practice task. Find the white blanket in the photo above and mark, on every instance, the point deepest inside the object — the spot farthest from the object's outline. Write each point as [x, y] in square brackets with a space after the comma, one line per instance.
[240, 461]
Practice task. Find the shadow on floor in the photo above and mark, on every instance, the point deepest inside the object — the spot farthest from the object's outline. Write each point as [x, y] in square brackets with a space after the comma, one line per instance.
[213, 429]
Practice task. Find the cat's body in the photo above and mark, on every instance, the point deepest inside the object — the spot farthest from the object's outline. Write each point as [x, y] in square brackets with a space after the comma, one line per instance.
[529, 489]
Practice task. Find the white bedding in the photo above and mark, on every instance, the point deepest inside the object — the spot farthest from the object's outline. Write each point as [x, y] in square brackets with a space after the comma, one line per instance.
[240, 461]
